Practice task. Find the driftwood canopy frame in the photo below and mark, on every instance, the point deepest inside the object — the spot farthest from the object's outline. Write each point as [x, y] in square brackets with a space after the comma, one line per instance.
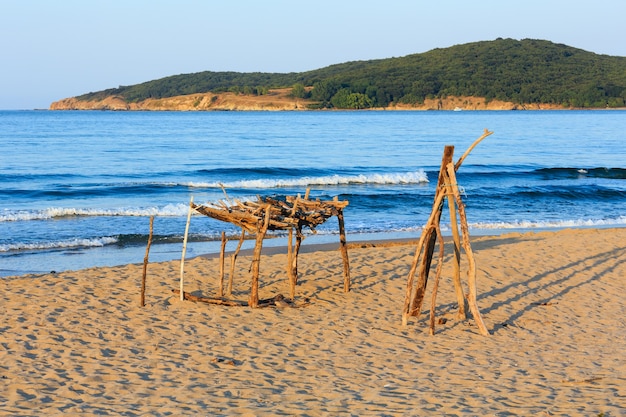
[292, 214]
[447, 189]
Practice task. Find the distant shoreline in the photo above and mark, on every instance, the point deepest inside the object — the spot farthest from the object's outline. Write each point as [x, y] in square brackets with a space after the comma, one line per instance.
[280, 100]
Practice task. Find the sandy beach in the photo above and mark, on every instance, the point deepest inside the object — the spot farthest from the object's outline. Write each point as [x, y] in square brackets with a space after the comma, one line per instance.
[79, 343]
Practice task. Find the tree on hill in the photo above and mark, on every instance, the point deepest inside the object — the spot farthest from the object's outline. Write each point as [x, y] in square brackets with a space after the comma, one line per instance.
[525, 72]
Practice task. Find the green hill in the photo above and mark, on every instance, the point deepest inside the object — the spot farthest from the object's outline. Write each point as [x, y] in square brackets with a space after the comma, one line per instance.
[524, 72]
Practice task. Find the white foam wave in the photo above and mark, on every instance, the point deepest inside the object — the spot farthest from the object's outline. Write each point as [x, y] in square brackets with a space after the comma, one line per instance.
[63, 244]
[400, 178]
[59, 212]
[526, 224]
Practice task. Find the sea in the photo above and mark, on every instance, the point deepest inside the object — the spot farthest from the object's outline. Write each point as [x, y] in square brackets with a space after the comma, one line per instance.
[78, 188]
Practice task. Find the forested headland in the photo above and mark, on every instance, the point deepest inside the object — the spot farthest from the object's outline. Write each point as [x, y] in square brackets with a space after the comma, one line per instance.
[523, 72]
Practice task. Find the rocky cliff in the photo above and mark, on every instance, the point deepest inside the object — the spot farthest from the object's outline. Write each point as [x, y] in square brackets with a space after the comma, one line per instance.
[275, 100]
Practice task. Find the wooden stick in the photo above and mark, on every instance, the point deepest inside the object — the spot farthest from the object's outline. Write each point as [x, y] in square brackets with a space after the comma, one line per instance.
[207, 300]
[290, 272]
[472, 146]
[182, 260]
[424, 270]
[256, 260]
[225, 193]
[294, 260]
[409, 290]
[221, 286]
[471, 275]
[344, 252]
[456, 242]
[233, 258]
[433, 299]
[145, 264]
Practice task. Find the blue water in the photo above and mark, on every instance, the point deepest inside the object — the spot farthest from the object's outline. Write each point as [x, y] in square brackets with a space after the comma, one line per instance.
[77, 188]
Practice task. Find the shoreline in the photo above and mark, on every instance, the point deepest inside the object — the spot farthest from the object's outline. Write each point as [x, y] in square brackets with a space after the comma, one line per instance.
[79, 342]
[112, 255]
[280, 100]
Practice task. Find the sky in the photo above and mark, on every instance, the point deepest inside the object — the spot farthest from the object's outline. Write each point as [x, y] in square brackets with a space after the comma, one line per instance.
[51, 50]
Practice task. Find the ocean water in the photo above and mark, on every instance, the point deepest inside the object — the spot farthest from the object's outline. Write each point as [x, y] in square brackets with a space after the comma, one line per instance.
[77, 188]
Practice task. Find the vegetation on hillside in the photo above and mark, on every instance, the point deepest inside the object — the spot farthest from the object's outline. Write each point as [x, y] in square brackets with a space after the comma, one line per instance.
[524, 72]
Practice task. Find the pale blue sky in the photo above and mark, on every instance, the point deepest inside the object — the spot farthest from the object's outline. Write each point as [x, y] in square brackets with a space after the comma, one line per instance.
[52, 49]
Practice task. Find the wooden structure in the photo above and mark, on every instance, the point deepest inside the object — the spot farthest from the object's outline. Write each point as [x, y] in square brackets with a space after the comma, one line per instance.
[293, 214]
[447, 189]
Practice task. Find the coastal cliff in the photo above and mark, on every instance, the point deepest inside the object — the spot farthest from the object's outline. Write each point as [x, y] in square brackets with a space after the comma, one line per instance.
[275, 100]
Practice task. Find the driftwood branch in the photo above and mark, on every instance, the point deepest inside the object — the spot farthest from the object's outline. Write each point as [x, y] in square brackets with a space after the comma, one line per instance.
[145, 264]
[437, 278]
[278, 301]
[222, 250]
[182, 259]
[471, 274]
[472, 146]
[233, 259]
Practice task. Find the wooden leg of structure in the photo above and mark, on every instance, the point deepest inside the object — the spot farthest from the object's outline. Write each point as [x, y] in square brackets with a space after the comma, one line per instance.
[433, 300]
[471, 275]
[233, 258]
[145, 264]
[290, 271]
[416, 304]
[182, 259]
[344, 252]
[424, 270]
[456, 243]
[294, 261]
[426, 234]
[256, 260]
[222, 250]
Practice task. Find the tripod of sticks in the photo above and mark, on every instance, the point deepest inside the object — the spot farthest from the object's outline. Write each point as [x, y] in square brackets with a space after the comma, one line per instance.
[447, 189]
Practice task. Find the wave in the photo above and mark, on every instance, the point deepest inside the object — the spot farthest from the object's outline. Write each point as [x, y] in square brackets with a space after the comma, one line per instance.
[63, 244]
[554, 224]
[170, 210]
[399, 178]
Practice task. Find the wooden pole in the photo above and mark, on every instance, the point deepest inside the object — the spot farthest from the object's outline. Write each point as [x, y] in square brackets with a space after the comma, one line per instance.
[233, 258]
[471, 275]
[256, 259]
[344, 252]
[409, 286]
[292, 258]
[456, 244]
[290, 272]
[182, 260]
[472, 146]
[431, 237]
[145, 264]
[222, 250]
[433, 300]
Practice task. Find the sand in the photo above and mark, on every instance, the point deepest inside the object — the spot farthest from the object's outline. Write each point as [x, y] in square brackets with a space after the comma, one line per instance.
[79, 343]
